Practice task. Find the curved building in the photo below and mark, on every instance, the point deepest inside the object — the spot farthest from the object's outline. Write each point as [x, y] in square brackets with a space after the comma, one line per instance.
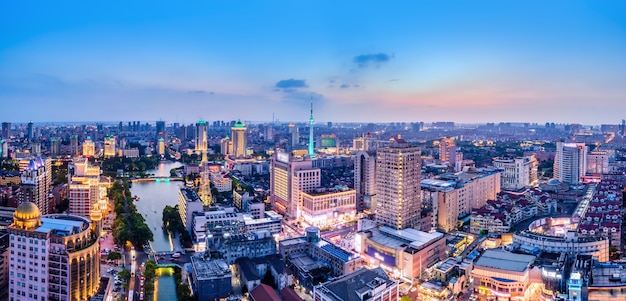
[52, 257]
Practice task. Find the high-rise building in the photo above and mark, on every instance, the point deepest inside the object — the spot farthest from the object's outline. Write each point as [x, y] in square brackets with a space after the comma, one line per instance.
[160, 129]
[398, 195]
[55, 146]
[30, 131]
[226, 146]
[598, 162]
[109, 147]
[269, 133]
[86, 192]
[239, 139]
[6, 130]
[161, 147]
[289, 176]
[447, 150]
[517, 172]
[365, 143]
[74, 145]
[4, 149]
[202, 139]
[52, 257]
[294, 135]
[36, 181]
[570, 162]
[89, 148]
[365, 180]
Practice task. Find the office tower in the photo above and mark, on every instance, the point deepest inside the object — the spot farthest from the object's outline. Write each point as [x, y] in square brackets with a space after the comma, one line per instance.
[294, 136]
[226, 146]
[120, 127]
[160, 129]
[289, 176]
[55, 146]
[570, 162]
[109, 147]
[623, 127]
[398, 195]
[89, 148]
[517, 172]
[6, 130]
[35, 148]
[52, 257]
[36, 181]
[269, 133]
[74, 145]
[30, 131]
[447, 150]
[311, 142]
[598, 162]
[365, 180]
[239, 139]
[4, 149]
[201, 136]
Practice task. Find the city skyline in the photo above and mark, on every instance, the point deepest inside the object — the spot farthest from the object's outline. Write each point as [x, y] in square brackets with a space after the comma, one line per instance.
[486, 61]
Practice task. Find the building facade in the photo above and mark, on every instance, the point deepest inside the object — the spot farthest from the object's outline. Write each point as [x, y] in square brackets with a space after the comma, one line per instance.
[239, 139]
[518, 172]
[398, 194]
[36, 180]
[570, 162]
[365, 180]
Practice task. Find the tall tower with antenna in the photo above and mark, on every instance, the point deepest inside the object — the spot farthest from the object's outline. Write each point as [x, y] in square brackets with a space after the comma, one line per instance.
[311, 123]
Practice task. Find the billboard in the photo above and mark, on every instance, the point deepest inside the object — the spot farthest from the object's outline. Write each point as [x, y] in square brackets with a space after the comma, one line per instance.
[385, 258]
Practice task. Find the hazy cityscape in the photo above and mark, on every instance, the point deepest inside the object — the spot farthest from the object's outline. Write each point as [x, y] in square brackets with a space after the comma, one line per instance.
[313, 151]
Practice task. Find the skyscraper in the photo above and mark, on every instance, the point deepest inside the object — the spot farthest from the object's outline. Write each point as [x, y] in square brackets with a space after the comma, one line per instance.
[36, 181]
[365, 180]
[239, 139]
[30, 133]
[201, 136]
[398, 195]
[160, 129]
[447, 150]
[289, 177]
[6, 130]
[55, 146]
[294, 136]
[74, 145]
[109, 146]
[570, 162]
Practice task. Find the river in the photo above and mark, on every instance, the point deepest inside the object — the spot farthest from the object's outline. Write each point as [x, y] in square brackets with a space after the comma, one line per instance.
[153, 197]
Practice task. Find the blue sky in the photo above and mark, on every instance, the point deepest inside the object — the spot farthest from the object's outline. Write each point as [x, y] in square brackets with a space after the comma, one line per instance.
[366, 61]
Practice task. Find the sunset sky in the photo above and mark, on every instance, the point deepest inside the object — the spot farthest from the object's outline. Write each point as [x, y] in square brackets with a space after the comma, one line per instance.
[363, 61]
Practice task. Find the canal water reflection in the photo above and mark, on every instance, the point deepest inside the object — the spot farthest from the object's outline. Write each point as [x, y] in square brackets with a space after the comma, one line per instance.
[153, 197]
[166, 286]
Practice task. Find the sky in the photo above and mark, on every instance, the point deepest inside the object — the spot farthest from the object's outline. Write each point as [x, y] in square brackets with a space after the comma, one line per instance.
[479, 61]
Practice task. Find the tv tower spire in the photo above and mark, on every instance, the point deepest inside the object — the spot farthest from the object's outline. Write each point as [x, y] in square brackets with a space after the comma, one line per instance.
[311, 123]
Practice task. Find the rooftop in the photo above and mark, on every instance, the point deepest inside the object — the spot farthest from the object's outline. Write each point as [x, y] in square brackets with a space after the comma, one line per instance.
[207, 269]
[505, 260]
[348, 287]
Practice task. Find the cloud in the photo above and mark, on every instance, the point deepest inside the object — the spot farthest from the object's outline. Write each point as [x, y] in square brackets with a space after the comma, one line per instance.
[291, 84]
[372, 59]
[200, 92]
[344, 86]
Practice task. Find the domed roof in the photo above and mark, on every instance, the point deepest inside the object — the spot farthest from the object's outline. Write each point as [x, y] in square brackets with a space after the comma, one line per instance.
[27, 210]
[239, 124]
[554, 182]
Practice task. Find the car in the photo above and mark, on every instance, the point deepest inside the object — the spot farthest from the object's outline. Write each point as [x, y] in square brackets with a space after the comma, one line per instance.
[412, 289]
[118, 282]
[116, 289]
[141, 283]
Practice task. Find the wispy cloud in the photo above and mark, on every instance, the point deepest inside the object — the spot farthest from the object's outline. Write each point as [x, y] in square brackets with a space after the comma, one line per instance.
[291, 84]
[200, 92]
[372, 59]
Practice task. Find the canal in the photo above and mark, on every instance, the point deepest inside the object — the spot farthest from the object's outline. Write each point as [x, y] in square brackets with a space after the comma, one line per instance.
[166, 285]
[153, 197]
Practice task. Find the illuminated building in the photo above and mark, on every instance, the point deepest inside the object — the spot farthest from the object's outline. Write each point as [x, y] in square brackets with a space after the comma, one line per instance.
[406, 253]
[109, 146]
[598, 162]
[55, 146]
[570, 162]
[363, 284]
[518, 172]
[86, 191]
[311, 142]
[220, 180]
[4, 149]
[239, 140]
[502, 275]
[447, 150]
[36, 180]
[89, 148]
[250, 245]
[53, 257]
[188, 203]
[131, 153]
[226, 146]
[161, 147]
[322, 207]
[366, 143]
[289, 176]
[365, 180]
[570, 243]
[398, 195]
[160, 129]
[201, 136]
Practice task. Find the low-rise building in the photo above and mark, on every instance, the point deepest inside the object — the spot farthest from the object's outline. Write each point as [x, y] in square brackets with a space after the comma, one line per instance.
[327, 207]
[502, 275]
[234, 246]
[362, 284]
[211, 279]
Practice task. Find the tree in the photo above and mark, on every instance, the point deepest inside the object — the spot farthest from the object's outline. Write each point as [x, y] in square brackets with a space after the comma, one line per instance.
[124, 275]
[114, 256]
